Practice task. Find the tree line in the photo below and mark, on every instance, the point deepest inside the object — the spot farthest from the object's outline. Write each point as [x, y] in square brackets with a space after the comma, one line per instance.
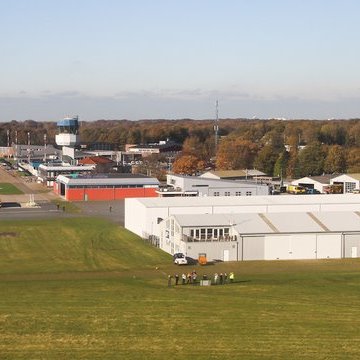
[291, 148]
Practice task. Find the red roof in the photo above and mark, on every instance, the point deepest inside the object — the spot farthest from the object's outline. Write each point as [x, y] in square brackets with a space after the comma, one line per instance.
[95, 160]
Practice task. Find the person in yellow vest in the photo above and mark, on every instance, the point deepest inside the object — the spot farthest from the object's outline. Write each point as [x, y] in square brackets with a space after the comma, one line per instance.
[231, 277]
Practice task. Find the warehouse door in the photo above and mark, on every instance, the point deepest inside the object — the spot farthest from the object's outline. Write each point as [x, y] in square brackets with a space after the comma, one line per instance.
[226, 255]
[354, 252]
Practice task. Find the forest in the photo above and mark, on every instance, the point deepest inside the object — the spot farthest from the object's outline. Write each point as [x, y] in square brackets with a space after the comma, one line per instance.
[291, 148]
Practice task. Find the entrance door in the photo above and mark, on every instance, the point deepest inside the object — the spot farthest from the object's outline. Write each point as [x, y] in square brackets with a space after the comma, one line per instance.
[226, 255]
[354, 252]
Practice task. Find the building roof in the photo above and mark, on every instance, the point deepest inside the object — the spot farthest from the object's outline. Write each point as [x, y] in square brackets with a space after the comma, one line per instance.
[355, 176]
[222, 174]
[96, 160]
[323, 179]
[108, 179]
[66, 167]
[265, 200]
[270, 223]
[246, 223]
[213, 181]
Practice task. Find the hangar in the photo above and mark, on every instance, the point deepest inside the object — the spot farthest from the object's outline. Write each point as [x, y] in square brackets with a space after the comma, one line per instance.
[250, 228]
[272, 236]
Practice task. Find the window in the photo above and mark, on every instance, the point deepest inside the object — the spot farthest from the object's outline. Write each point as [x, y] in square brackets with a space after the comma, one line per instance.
[202, 232]
[209, 233]
[227, 193]
[216, 193]
[215, 233]
[238, 193]
[248, 193]
[349, 187]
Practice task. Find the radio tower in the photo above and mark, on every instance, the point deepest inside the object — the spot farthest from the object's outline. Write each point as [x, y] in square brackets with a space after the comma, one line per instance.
[216, 125]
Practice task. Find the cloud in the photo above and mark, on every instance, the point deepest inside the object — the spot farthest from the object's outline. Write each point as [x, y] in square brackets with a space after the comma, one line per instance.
[172, 104]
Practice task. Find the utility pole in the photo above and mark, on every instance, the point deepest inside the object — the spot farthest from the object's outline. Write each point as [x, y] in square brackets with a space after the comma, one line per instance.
[216, 126]
[45, 143]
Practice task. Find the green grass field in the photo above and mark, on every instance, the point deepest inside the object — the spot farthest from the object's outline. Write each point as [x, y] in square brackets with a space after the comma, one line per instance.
[87, 289]
[9, 189]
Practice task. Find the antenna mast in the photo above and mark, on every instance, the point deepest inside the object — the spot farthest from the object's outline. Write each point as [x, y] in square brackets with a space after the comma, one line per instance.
[216, 125]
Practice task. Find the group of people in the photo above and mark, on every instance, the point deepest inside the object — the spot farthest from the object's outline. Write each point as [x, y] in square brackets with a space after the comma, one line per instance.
[222, 278]
[191, 277]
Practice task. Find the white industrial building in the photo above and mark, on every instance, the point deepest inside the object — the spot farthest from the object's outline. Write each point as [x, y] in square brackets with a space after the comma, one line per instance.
[263, 236]
[250, 228]
[216, 187]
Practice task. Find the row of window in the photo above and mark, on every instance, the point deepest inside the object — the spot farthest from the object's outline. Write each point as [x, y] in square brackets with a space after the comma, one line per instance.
[237, 193]
[104, 186]
[209, 233]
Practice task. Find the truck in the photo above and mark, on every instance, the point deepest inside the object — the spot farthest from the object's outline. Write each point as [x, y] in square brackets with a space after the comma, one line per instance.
[296, 189]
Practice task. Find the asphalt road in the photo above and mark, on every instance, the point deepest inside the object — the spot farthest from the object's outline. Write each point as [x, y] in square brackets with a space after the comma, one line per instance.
[17, 206]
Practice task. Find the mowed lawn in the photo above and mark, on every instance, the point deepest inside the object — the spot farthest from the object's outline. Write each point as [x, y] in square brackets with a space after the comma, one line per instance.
[9, 189]
[86, 289]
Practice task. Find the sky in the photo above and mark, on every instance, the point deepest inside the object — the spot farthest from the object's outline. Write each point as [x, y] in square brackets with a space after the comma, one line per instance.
[167, 59]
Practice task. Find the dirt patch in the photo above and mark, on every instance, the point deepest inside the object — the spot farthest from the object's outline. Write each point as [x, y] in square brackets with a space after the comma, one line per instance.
[8, 234]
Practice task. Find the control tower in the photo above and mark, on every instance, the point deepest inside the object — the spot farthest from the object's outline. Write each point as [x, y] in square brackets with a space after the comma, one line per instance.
[68, 132]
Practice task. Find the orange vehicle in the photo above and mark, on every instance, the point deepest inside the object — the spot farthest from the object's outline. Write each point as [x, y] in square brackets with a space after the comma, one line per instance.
[202, 260]
[334, 189]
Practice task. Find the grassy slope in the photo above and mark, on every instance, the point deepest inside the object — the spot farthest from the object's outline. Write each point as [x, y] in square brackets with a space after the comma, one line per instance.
[275, 310]
[69, 245]
[9, 189]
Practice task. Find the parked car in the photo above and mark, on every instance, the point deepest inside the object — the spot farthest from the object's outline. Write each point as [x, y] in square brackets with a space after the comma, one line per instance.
[180, 259]
[312, 191]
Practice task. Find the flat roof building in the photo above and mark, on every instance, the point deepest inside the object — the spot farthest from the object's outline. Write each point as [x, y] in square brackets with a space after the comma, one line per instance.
[101, 187]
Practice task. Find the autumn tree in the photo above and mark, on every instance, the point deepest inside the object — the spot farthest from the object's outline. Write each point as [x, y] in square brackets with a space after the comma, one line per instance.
[234, 153]
[335, 161]
[353, 160]
[311, 160]
[281, 164]
[266, 159]
[292, 169]
[188, 165]
[332, 133]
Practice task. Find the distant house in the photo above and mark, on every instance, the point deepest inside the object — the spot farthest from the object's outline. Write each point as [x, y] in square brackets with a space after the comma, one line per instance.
[101, 164]
[232, 174]
[315, 182]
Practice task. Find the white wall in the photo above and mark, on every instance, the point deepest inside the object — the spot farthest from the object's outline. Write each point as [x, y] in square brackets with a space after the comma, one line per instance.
[329, 246]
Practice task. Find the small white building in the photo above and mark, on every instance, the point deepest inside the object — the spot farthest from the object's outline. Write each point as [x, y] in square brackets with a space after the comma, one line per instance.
[314, 182]
[350, 182]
